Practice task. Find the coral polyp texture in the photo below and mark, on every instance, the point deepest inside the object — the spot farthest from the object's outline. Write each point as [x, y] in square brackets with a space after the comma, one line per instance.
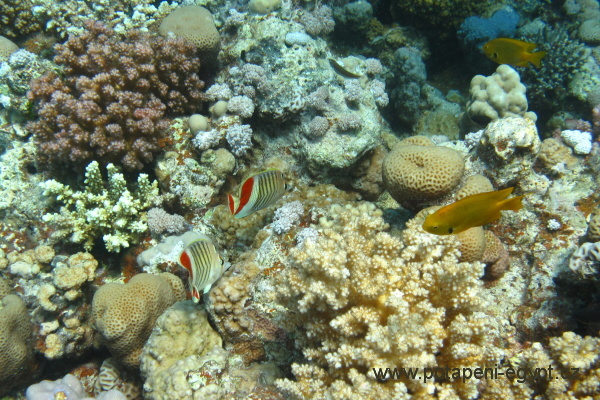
[365, 299]
[110, 211]
[112, 101]
[416, 172]
[125, 314]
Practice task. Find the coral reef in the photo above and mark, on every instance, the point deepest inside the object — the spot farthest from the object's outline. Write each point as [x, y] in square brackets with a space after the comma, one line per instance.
[69, 387]
[16, 355]
[18, 18]
[56, 288]
[195, 24]
[20, 68]
[112, 101]
[363, 299]
[111, 211]
[565, 58]
[509, 144]
[124, 314]
[416, 172]
[69, 17]
[181, 332]
[497, 96]
[440, 15]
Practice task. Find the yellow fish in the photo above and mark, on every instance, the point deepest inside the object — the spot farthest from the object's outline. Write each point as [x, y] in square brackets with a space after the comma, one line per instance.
[476, 210]
[513, 52]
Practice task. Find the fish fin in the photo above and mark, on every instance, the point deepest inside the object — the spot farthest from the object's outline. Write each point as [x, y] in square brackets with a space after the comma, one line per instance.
[232, 203]
[494, 217]
[512, 204]
[500, 195]
[521, 64]
[536, 58]
[529, 46]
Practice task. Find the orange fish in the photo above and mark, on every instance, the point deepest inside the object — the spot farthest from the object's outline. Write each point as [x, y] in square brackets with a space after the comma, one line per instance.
[257, 192]
[513, 52]
[476, 210]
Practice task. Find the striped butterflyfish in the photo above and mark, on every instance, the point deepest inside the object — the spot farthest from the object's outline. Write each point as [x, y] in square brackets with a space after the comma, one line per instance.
[203, 263]
[257, 192]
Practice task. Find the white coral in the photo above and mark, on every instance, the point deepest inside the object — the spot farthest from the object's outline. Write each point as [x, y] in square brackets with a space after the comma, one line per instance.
[112, 211]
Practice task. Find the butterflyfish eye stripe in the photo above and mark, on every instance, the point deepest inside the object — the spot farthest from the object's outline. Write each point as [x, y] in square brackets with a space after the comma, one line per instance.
[205, 266]
[257, 192]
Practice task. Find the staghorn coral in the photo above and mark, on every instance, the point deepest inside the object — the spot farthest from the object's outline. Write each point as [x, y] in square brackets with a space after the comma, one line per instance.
[363, 298]
[124, 315]
[113, 98]
[111, 211]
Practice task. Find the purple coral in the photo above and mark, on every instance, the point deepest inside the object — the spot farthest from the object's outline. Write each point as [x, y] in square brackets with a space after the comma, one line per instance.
[319, 22]
[111, 102]
[239, 137]
[160, 221]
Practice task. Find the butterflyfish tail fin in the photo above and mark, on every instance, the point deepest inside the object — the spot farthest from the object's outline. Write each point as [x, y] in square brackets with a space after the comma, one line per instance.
[513, 203]
[232, 203]
[536, 58]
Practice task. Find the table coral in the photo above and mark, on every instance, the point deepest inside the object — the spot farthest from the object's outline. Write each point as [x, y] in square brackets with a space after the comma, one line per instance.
[112, 100]
[366, 299]
[124, 315]
[112, 211]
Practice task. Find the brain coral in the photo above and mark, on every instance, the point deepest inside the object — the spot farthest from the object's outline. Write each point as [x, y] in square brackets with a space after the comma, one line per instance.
[111, 103]
[195, 24]
[15, 352]
[125, 314]
[415, 174]
[362, 298]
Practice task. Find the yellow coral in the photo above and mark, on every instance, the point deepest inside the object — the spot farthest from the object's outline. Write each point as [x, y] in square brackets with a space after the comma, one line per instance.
[366, 299]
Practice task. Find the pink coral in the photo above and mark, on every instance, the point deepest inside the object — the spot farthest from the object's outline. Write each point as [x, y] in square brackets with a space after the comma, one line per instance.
[113, 98]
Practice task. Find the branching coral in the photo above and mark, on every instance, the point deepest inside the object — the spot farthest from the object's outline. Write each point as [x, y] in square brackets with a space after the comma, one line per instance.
[112, 211]
[546, 85]
[365, 299]
[113, 98]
